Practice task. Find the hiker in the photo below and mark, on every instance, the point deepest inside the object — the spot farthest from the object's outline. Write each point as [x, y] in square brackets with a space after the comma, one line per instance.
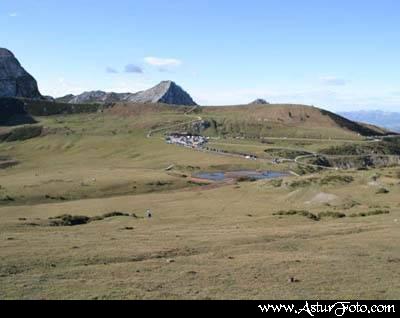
[148, 213]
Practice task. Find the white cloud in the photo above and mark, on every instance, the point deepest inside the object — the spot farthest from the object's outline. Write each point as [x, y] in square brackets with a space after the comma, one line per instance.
[333, 81]
[162, 62]
[132, 68]
[111, 70]
[13, 14]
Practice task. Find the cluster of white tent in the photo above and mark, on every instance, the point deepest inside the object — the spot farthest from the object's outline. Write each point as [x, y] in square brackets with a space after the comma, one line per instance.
[187, 140]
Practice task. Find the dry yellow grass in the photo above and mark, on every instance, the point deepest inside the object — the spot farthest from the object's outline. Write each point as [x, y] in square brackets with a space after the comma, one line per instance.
[223, 243]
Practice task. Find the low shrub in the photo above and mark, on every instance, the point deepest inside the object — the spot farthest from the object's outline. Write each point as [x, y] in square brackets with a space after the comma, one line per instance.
[304, 213]
[277, 183]
[382, 191]
[72, 220]
[330, 214]
[370, 213]
[69, 220]
[286, 153]
[333, 179]
[377, 212]
[113, 214]
[246, 179]
[190, 182]
[302, 183]
[7, 198]
[22, 133]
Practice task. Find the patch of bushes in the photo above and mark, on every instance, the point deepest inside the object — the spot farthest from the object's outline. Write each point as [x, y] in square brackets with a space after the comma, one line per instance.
[190, 182]
[312, 216]
[382, 191]
[246, 179]
[370, 213]
[286, 153]
[277, 183]
[320, 161]
[327, 180]
[305, 169]
[187, 168]
[7, 198]
[333, 179]
[8, 164]
[159, 183]
[72, 220]
[49, 197]
[386, 147]
[304, 213]
[302, 183]
[69, 220]
[46, 108]
[330, 214]
[114, 214]
[22, 133]
[350, 204]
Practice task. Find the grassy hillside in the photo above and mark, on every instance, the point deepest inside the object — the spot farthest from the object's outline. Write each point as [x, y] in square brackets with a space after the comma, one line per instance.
[284, 120]
[97, 155]
[48, 108]
[249, 120]
[73, 207]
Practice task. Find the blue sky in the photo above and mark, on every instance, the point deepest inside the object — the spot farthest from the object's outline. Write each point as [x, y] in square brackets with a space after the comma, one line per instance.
[337, 54]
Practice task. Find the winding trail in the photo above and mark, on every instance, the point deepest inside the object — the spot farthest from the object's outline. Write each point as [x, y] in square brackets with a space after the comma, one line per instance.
[296, 160]
[198, 119]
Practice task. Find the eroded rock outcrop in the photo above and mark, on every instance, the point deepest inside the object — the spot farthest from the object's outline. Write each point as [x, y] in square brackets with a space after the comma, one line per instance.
[166, 92]
[14, 80]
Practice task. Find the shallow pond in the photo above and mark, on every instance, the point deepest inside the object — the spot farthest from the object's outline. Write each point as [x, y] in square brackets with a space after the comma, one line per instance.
[257, 175]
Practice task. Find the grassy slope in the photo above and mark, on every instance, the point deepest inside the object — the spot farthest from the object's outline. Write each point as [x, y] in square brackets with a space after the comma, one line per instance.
[286, 120]
[223, 243]
[97, 155]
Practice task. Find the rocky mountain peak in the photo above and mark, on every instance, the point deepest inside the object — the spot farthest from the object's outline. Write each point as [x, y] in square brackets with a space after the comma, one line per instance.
[5, 53]
[167, 92]
[14, 80]
[259, 101]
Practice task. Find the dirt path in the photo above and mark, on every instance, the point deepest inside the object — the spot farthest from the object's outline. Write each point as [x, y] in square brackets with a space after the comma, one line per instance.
[296, 160]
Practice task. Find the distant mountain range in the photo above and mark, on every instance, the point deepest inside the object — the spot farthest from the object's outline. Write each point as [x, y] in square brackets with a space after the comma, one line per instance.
[389, 120]
[166, 92]
[15, 82]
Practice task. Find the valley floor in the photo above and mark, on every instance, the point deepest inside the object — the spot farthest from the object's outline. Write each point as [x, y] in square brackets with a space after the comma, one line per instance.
[334, 233]
[217, 244]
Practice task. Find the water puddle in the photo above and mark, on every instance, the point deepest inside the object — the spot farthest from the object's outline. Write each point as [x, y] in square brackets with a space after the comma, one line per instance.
[228, 175]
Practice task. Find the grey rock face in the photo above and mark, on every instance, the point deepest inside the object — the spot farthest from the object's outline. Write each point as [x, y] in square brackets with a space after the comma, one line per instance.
[14, 80]
[198, 127]
[259, 101]
[10, 107]
[98, 97]
[65, 99]
[166, 92]
[13, 112]
[49, 98]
